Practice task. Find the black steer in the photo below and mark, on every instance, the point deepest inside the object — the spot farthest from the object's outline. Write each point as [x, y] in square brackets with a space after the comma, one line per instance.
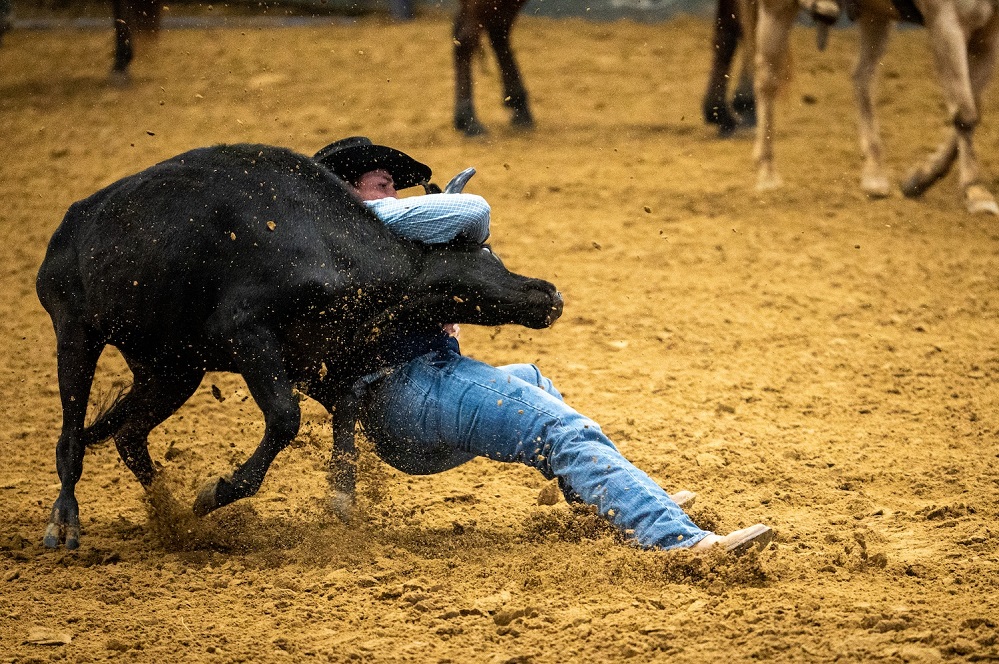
[250, 259]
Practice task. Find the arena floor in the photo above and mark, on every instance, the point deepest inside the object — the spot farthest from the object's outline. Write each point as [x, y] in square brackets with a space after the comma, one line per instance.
[806, 358]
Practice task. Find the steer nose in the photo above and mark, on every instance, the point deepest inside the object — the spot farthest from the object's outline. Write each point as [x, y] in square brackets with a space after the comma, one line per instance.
[556, 310]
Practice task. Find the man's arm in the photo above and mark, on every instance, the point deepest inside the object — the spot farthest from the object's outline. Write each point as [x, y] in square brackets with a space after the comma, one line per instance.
[435, 219]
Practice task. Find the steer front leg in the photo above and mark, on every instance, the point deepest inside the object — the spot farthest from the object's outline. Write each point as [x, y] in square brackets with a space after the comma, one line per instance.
[259, 360]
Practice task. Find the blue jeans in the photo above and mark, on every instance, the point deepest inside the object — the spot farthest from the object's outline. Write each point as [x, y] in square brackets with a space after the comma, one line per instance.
[443, 409]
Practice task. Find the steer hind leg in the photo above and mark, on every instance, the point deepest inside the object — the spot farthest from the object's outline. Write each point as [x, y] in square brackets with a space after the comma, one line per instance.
[259, 360]
[78, 353]
[155, 396]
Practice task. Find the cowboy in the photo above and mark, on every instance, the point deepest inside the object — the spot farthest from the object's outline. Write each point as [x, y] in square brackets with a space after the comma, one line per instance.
[439, 408]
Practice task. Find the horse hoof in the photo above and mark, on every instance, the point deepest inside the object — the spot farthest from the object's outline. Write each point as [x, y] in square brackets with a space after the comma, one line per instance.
[120, 79]
[915, 185]
[876, 187]
[979, 201]
[727, 129]
[769, 182]
[470, 128]
[521, 124]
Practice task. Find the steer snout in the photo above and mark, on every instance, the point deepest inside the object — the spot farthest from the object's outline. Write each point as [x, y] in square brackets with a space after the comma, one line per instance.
[546, 307]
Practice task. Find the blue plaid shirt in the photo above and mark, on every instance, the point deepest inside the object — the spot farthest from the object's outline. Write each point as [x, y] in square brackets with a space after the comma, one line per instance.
[436, 218]
[433, 219]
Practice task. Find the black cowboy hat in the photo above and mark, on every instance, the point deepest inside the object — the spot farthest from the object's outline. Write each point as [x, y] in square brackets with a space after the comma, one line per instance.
[352, 157]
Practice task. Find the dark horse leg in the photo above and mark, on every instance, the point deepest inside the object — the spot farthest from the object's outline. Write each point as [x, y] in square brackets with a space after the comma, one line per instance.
[4, 18]
[726, 38]
[514, 93]
[467, 30]
[260, 362]
[123, 52]
[132, 19]
[496, 18]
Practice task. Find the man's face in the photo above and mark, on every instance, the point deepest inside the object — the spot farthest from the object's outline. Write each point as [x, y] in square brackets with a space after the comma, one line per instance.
[374, 185]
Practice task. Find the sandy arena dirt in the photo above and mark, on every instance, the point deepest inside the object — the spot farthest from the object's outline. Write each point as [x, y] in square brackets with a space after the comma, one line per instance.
[806, 358]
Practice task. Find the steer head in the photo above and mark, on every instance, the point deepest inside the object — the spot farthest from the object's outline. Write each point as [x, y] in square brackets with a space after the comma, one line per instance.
[468, 283]
[463, 282]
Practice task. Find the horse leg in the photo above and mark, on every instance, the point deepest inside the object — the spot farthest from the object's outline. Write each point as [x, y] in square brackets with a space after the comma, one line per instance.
[78, 353]
[743, 99]
[466, 39]
[951, 53]
[772, 31]
[5, 24]
[259, 360]
[514, 93]
[983, 48]
[724, 42]
[874, 32]
[925, 175]
[123, 51]
[154, 398]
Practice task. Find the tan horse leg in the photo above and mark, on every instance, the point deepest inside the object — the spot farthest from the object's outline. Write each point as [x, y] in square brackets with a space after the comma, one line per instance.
[935, 167]
[951, 55]
[983, 48]
[874, 32]
[772, 29]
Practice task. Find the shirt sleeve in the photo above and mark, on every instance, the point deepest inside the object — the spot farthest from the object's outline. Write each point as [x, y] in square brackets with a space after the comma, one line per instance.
[436, 218]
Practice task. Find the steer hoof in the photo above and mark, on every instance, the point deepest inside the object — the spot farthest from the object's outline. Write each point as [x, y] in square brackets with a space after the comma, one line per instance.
[978, 200]
[342, 504]
[55, 534]
[207, 499]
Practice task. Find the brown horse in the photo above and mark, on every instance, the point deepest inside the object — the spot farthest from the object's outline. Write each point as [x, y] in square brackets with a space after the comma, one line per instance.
[496, 18]
[964, 38]
[725, 41]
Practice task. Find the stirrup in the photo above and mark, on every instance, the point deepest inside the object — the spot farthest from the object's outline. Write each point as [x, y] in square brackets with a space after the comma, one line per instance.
[822, 11]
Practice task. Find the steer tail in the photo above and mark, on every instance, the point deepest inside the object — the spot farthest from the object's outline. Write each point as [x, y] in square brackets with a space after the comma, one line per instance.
[110, 415]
